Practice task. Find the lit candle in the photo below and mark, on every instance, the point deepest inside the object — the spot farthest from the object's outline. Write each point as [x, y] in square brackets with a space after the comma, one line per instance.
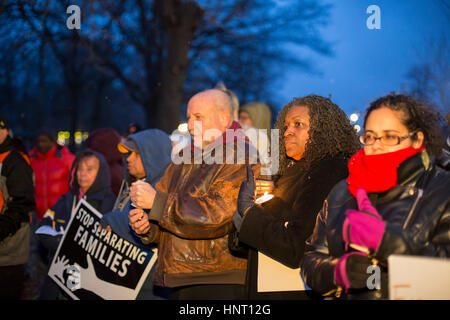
[265, 197]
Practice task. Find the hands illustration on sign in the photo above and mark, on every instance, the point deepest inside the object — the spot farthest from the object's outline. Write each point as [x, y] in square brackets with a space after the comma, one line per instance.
[83, 277]
[86, 278]
[57, 269]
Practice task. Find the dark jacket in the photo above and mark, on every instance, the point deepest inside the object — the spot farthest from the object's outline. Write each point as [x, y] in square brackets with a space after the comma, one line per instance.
[193, 211]
[417, 213]
[16, 183]
[155, 148]
[444, 159]
[279, 228]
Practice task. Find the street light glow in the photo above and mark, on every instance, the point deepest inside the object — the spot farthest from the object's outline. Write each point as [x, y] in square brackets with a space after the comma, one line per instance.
[354, 117]
[183, 127]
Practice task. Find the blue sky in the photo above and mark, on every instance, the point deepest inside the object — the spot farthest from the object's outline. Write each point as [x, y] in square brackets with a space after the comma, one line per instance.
[368, 63]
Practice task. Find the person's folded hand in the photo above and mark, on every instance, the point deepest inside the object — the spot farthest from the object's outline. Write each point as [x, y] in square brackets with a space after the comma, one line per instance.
[138, 221]
[351, 270]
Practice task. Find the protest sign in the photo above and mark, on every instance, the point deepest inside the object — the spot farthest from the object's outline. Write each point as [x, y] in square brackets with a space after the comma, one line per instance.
[93, 263]
[418, 278]
[274, 276]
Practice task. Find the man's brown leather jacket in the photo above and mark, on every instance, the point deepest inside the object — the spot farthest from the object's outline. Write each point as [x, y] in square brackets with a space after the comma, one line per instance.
[191, 218]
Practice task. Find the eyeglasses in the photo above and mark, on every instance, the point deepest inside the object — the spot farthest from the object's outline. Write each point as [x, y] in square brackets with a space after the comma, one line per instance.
[369, 139]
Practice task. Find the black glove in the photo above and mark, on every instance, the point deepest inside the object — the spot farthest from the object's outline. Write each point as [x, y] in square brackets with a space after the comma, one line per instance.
[246, 197]
[356, 275]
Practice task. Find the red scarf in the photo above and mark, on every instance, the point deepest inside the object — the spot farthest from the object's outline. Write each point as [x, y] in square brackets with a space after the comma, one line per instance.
[376, 173]
[80, 194]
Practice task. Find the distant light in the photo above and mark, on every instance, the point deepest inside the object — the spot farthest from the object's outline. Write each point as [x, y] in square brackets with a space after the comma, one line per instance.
[61, 138]
[183, 127]
[78, 137]
[354, 117]
[357, 128]
[85, 135]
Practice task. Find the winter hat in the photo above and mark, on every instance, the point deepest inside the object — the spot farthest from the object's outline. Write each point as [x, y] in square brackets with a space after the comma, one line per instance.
[4, 124]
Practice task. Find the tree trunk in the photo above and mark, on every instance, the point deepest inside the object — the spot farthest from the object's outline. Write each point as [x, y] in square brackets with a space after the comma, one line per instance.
[180, 20]
[96, 117]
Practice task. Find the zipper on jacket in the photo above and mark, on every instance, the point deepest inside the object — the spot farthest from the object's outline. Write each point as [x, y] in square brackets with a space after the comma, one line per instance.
[408, 218]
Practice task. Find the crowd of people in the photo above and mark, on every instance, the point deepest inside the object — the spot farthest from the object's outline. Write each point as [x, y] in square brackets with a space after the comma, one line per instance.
[333, 204]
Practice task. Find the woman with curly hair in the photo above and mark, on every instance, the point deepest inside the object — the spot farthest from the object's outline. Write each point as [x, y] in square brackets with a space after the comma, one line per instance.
[316, 142]
[394, 201]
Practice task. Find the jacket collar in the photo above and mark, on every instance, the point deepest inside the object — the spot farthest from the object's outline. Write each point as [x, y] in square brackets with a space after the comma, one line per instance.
[50, 154]
[411, 174]
[7, 145]
[409, 170]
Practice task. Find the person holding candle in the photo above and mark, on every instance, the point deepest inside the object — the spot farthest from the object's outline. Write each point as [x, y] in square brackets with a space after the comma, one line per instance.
[394, 201]
[316, 142]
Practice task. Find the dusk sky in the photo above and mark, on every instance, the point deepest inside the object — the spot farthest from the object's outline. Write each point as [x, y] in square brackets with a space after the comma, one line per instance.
[368, 63]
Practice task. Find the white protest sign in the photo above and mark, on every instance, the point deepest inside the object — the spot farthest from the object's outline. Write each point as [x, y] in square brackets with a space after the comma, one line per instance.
[274, 276]
[92, 263]
[418, 278]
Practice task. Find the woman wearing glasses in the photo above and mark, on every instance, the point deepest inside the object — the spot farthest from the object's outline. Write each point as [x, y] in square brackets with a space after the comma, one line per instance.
[395, 201]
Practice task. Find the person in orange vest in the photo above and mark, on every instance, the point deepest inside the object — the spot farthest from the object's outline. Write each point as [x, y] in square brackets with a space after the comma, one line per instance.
[51, 164]
[16, 205]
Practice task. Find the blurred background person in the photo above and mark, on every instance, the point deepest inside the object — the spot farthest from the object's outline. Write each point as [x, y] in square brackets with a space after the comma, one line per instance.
[254, 116]
[316, 142]
[90, 180]
[51, 164]
[233, 97]
[105, 141]
[394, 201]
[133, 127]
[257, 115]
[16, 205]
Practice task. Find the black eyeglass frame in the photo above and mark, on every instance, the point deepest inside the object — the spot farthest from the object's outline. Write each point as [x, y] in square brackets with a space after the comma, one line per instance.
[399, 139]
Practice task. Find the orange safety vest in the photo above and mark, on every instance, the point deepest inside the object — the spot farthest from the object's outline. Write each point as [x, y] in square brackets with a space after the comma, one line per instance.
[2, 158]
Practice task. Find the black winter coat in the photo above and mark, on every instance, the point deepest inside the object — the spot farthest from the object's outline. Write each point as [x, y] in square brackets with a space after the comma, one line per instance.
[16, 184]
[417, 213]
[280, 227]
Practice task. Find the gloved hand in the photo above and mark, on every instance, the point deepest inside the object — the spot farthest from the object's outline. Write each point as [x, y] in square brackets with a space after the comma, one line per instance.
[351, 270]
[246, 198]
[363, 227]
